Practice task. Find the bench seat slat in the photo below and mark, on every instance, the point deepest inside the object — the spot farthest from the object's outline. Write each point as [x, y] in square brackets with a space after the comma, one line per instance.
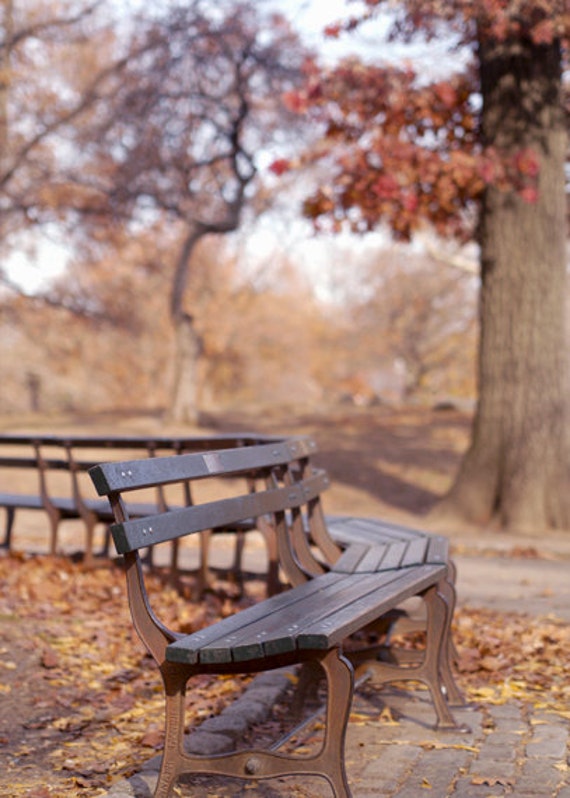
[349, 559]
[276, 633]
[188, 648]
[347, 529]
[383, 556]
[373, 560]
[316, 615]
[21, 501]
[415, 552]
[26, 501]
[438, 549]
[390, 591]
[394, 554]
[349, 591]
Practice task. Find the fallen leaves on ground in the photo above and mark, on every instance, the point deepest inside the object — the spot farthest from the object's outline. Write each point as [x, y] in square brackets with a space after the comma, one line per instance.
[82, 702]
[506, 656]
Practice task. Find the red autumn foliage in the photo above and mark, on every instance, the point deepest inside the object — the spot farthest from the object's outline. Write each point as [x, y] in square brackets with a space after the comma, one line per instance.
[406, 151]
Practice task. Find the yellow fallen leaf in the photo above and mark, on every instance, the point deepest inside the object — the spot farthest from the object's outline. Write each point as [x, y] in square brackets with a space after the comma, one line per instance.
[359, 717]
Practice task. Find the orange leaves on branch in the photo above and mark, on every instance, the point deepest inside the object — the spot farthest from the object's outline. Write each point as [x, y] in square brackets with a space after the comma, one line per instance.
[403, 151]
[395, 149]
[386, 187]
[446, 93]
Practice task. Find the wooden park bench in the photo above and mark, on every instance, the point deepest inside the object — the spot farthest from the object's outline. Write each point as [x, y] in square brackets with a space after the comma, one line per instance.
[56, 465]
[331, 594]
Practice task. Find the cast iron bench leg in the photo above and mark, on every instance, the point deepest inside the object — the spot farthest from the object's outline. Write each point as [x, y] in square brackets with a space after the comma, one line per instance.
[172, 764]
[446, 589]
[428, 670]
[10, 516]
[54, 519]
[328, 763]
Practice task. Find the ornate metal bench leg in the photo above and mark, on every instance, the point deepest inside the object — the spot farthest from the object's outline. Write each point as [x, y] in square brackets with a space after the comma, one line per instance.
[451, 580]
[172, 759]
[340, 687]
[428, 670]
[448, 655]
[10, 516]
[436, 653]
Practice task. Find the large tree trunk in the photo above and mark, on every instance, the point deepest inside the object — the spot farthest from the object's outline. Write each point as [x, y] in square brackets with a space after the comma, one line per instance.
[517, 468]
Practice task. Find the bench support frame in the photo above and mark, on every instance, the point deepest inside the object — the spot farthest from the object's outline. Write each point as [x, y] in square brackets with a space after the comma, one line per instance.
[254, 764]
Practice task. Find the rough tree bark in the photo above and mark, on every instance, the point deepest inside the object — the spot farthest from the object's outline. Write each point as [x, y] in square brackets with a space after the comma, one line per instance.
[518, 464]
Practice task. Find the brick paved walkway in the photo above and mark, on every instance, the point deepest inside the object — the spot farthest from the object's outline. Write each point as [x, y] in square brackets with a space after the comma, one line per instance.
[392, 751]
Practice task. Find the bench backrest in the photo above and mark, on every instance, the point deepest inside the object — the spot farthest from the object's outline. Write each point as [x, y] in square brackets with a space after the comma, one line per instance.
[273, 483]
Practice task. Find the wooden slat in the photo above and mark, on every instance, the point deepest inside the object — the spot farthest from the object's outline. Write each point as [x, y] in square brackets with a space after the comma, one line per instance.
[349, 528]
[415, 553]
[188, 648]
[349, 559]
[191, 443]
[438, 549]
[139, 533]
[317, 615]
[21, 500]
[389, 592]
[135, 474]
[277, 632]
[372, 560]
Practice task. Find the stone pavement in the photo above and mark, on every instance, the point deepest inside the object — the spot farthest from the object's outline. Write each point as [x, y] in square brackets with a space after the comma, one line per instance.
[392, 750]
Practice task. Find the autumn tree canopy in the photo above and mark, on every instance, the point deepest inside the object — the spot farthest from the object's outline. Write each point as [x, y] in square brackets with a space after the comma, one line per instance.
[176, 133]
[118, 125]
[479, 154]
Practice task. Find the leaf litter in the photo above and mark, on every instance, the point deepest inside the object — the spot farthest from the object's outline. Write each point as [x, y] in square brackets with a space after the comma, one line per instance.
[81, 702]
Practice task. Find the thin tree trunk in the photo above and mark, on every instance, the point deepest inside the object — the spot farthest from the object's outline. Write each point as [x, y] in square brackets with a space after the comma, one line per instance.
[185, 393]
[518, 465]
[187, 341]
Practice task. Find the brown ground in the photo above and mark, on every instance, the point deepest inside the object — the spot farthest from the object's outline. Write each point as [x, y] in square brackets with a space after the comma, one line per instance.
[70, 667]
